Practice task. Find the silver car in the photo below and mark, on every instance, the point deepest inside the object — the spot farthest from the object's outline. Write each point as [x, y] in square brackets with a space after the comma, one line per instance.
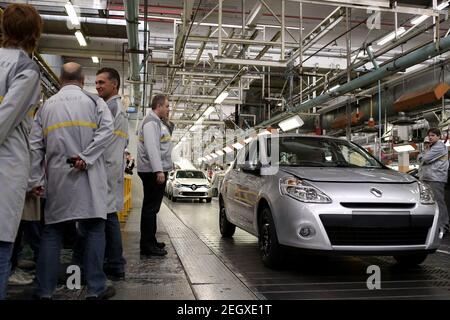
[188, 184]
[328, 195]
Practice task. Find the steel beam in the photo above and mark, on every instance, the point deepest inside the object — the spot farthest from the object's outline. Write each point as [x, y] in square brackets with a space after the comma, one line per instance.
[250, 62]
[415, 57]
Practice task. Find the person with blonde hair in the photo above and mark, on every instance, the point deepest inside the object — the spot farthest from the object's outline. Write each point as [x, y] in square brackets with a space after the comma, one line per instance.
[21, 27]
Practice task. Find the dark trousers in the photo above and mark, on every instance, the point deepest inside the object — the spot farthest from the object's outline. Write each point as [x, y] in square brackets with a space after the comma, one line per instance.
[153, 195]
[30, 232]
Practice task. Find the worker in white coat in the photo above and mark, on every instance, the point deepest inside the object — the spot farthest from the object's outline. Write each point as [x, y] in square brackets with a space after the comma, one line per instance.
[70, 134]
[19, 94]
[107, 83]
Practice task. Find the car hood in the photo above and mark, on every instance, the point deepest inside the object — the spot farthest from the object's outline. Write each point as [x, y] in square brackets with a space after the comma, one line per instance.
[354, 175]
[192, 181]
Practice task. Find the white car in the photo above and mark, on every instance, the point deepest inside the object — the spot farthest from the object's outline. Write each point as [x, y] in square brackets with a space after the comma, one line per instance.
[329, 195]
[188, 184]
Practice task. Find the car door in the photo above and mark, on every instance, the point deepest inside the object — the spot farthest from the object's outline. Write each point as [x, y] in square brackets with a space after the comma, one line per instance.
[229, 191]
[248, 184]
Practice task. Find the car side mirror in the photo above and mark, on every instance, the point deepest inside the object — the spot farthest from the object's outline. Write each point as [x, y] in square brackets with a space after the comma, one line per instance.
[253, 168]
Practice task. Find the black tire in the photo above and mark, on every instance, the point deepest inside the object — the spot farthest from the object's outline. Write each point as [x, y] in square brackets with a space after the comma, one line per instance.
[410, 260]
[271, 252]
[227, 229]
[174, 199]
[208, 200]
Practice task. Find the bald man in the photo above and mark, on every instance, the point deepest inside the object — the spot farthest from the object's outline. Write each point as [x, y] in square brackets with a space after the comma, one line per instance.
[69, 136]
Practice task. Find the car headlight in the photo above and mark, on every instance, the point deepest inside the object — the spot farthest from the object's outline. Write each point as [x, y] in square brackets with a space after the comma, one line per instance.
[177, 185]
[302, 191]
[426, 194]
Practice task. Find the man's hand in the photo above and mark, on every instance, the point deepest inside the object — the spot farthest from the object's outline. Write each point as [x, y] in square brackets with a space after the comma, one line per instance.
[78, 163]
[160, 177]
[38, 191]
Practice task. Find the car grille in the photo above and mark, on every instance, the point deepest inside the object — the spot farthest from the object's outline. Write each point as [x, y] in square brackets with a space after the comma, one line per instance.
[197, 186]
[193, 194]
[377, 205]
[376, 230]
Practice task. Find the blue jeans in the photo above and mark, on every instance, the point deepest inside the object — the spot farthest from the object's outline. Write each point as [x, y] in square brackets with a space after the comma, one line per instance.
[113, 252]
[94, 251]
[114, 260]
[5, 266]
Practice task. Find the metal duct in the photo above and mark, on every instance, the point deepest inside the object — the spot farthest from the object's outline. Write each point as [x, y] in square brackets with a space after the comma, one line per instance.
[388, 97]
[132, 18]
[424, 53]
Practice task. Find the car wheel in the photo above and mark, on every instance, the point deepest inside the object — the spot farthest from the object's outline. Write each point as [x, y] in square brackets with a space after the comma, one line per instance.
[227, 229]
[270, 250]
[174, 199]
[208, 200]
[410, 260]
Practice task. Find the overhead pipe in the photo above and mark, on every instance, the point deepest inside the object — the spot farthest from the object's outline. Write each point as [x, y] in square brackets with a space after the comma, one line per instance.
[335, 119]
[418, 56]
[132, 19]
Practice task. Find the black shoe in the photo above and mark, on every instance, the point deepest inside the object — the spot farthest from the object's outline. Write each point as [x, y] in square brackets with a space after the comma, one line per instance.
[153, 251]
[114, 275]
[105, 295]
[160, 245]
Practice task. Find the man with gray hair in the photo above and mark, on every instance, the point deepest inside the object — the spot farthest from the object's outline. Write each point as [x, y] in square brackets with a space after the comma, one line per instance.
[69, 135]
[153, 163]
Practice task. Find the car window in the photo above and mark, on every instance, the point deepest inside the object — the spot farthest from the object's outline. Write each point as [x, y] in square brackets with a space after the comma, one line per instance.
[190, 175]
[317, 152]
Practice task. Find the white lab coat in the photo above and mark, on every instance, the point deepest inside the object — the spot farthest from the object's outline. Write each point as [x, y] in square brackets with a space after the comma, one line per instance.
[72, 122]
[19, 93]
[115, 156]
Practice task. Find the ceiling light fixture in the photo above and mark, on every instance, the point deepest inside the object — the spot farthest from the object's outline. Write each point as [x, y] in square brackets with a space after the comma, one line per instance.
[291, 123]
[221, 97]
[72, 14]
[391, 36]
[418, 20]
[80, 38]
[237, 146]
[95, 59]
[227, 149]
[443, 5]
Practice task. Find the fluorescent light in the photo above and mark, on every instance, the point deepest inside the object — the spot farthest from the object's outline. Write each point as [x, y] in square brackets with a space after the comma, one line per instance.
[418, 20]
[80, 39]
[214, 155]
[220, 152]
[291, 123]
[221, 97]
[227, 149]
[404, 148]
[335, 87]
[264, 132]
[194, 128]
[183, 139]
[95, 59]
[200, 159]
[443, 5]
[208, 158]
[391, 36]
[248, 140]
[237, 146]
[211, 109]
[72, 14]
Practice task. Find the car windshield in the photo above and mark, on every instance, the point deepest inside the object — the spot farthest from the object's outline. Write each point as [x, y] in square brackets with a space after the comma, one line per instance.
[190, 175]
[316, 152]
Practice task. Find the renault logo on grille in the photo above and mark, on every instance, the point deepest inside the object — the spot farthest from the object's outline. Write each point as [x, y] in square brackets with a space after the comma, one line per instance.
[193, 187]
[376, 192]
